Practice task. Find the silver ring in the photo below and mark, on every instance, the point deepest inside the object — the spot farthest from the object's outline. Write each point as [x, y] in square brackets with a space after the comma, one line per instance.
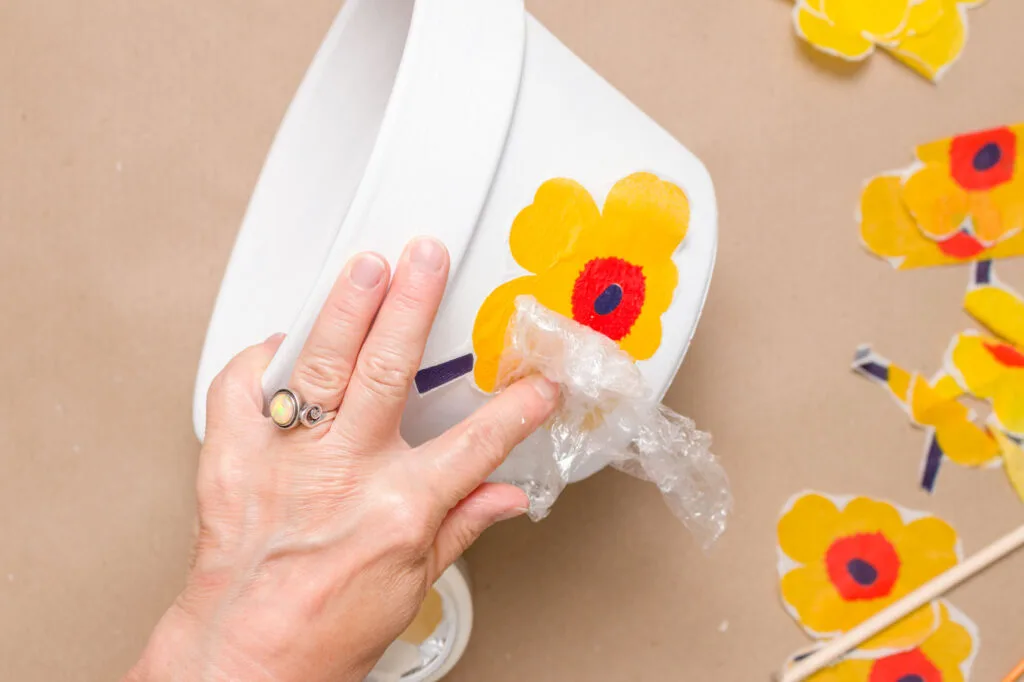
[287, 411]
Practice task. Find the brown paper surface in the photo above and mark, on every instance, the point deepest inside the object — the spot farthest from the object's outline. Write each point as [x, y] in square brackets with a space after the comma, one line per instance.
[131, 135]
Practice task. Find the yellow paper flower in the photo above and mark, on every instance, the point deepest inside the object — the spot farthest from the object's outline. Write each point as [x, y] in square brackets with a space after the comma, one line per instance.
[611, 271]
[945, 656]
[993, 368]
[854, 559]
[969, 187]
[889, 230]
[928, 36]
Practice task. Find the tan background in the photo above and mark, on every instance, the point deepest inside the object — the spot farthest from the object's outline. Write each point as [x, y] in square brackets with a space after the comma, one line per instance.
[131, 135]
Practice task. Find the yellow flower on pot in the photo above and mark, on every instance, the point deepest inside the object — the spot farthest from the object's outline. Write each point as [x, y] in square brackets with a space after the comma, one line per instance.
[928, 36]
[841, 562]
[611, 271]
[945, 656]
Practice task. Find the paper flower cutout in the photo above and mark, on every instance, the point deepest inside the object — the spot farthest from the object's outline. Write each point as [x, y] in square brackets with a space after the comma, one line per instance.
[1013, 461]
[969, 186]
[933, 406]
[993, 368]
[962, 201]
[944, 656]
[842, 560]
[611, 271]
[928, 36]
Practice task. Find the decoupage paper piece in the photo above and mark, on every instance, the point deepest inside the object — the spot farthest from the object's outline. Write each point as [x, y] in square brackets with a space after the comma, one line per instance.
[961, 201]
[1013, 460]
[610, 270]
[933, 406]
[429, 378]
[843, 559]
[947, 655]
[992, 368]
[928, 35]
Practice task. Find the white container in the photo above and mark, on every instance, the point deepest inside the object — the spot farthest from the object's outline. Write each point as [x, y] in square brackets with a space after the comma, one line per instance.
[439, 117]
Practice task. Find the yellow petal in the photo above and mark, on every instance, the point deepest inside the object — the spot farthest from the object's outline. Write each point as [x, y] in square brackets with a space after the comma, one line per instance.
[1008, 248]
[1007, 201]
[932, 53]
[877, 20]
[949, 646]
[961, 440]
[946, 387]
[644, 214]
[1008, 402]
[888, 230]
[999, 308]
[827, 37]
[985, 217]
[906, 633]
[850, 670]
[930, 547]
[936, 152]
[976, 366]
[547, 229]
[865, 515]
[490, 327]
[937, 203]
[808, 528]
[924, 16]
[1013, 461]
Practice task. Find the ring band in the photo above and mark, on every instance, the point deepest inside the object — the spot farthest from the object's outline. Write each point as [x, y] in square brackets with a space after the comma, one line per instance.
[287, 410]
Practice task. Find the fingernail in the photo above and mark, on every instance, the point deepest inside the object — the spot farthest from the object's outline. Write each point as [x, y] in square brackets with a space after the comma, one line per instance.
[427, 254]
[513, 513]
[366, 271]
[274, 338]
[545, 388]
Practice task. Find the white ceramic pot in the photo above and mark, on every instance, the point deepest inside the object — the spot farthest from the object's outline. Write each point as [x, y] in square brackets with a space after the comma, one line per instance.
[445, 117]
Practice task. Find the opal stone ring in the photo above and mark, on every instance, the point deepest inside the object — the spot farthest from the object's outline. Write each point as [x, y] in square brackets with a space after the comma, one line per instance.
[287, 410]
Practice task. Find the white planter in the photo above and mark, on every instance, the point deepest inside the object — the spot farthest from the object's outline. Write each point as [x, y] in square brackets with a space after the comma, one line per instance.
[439, 117]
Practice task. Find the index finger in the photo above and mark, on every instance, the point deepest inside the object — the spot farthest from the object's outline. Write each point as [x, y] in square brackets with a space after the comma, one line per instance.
[462, 458]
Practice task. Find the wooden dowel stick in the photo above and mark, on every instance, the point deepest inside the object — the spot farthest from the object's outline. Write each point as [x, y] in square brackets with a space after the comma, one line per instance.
[913, 601]
[1016, 674]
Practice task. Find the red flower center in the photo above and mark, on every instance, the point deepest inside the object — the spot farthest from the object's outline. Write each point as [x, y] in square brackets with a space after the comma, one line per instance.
[608, 296]
[980, 161]
[909, 666]
[863, 566]
[961, 245]
[1005, 354]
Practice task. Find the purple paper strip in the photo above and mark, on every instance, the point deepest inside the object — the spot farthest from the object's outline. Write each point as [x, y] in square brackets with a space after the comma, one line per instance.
[429, 378]
[931, 465]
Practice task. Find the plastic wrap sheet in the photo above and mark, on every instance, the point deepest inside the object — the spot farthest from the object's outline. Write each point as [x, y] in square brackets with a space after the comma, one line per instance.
[607, 411]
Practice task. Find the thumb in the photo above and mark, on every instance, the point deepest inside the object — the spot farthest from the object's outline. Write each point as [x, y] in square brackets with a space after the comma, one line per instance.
[481, 509]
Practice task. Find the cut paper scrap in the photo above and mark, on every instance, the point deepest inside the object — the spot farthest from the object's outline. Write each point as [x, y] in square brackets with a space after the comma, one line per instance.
[843, 559]
[928, 36]
[1013, 461]
[987, 367]
[946, 655]
[933, 406]
[609, 269]
[961, 201]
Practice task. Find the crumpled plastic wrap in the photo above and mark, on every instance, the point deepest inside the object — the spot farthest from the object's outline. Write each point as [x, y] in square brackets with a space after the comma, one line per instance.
[608, 412]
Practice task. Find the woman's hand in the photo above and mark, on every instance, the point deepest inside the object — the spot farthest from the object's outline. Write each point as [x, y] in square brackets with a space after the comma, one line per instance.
[317, 545]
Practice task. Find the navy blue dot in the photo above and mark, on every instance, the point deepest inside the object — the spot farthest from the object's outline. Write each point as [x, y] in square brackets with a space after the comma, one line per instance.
[864, 573]
[987, 157]
[911, 678]
[608, 300]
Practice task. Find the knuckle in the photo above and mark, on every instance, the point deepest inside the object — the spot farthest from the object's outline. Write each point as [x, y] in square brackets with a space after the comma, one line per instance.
[320, 373]
[232, 383]
[408, 528]
[485, 438]
[386, 374]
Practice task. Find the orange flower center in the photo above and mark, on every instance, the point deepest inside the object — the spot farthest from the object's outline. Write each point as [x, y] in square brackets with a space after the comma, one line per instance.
[862, 566]
[909, 666]
[1005, 354]
[961, 245]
